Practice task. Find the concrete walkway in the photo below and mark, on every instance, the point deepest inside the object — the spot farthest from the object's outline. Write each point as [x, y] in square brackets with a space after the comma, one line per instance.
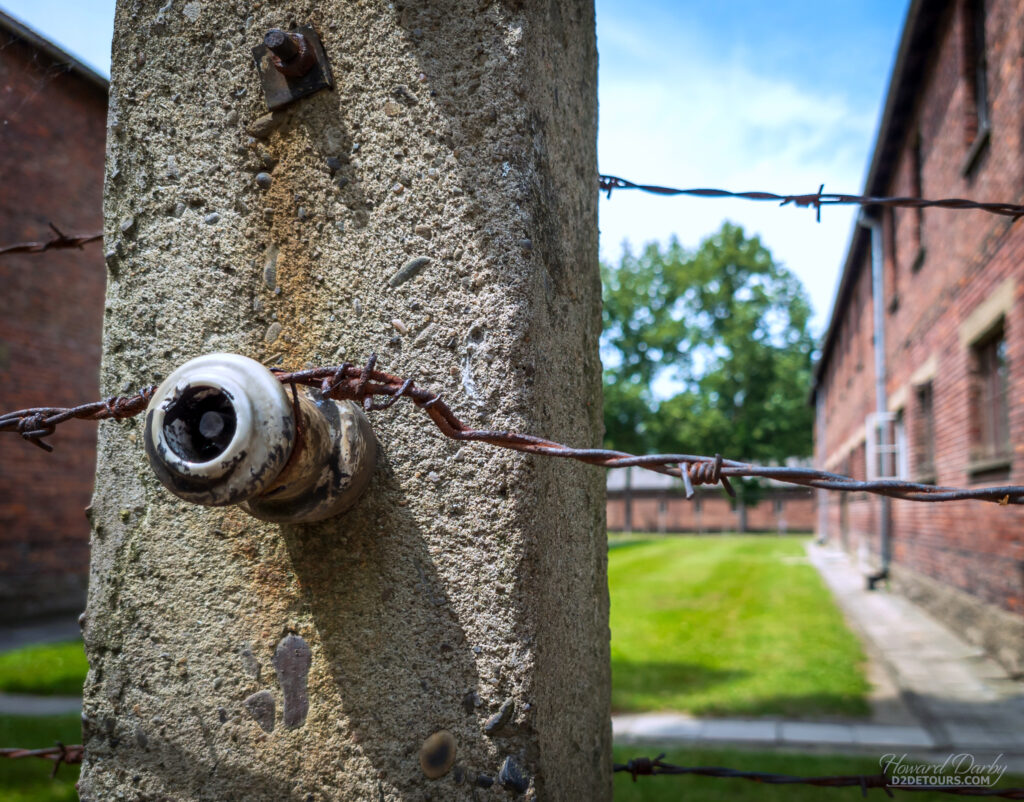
[21, 704]
[933, 693]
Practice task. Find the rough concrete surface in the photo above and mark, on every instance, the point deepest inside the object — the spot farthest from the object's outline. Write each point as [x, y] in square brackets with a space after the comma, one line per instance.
[459, 132]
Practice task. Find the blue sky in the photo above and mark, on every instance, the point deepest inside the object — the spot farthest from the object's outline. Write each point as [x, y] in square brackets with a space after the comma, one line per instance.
[738, 94]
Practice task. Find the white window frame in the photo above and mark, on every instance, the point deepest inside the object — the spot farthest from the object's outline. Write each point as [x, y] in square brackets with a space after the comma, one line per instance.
[881, 439]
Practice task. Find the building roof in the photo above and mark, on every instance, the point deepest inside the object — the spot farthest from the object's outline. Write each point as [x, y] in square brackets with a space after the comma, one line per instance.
[640, 479]
[913, 57]
[21, 31]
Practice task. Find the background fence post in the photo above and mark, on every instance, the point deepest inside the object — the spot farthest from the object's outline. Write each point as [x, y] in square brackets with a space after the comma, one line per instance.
[439, 208]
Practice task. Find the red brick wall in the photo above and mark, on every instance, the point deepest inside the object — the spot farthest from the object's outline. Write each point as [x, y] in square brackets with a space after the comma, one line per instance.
[52, 133]
[653, 512]
[976, 547]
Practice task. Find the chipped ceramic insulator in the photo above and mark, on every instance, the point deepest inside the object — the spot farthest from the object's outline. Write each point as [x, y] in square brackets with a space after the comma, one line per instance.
[222, 430]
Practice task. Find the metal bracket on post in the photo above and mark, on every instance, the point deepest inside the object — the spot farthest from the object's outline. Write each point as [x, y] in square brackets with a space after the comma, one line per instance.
[292, 65]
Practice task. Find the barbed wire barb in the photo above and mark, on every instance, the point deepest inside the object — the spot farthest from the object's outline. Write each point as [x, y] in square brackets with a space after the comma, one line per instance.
[347, 382]
[58, 754]
[608, 183]
[57, 241]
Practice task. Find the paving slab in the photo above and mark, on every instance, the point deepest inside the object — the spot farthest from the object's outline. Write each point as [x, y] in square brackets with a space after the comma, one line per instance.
[884, 735]
[740, 730]
[16, 704]
[815, 733]
[669, 727]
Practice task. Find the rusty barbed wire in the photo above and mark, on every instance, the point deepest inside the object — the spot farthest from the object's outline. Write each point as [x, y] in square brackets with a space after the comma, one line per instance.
[348, 382]
[39, 422]
[58, 754]
[57, 241]
[607, 183]
[645, 766]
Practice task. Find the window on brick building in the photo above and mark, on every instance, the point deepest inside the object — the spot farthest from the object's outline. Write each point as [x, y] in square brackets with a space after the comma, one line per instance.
[990, 424]
[924, 433]
[975, 75]
[900, 439]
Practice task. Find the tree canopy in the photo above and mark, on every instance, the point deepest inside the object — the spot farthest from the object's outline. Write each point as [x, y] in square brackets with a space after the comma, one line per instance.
[707, 351]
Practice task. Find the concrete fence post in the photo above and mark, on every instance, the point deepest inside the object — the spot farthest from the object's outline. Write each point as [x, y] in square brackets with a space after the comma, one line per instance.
[438, 207]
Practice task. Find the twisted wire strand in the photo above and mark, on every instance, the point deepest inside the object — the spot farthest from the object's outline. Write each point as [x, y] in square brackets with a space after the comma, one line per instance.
[645, 766]
[57, 241]
[608, 183]
[348, 382]
[59, 754]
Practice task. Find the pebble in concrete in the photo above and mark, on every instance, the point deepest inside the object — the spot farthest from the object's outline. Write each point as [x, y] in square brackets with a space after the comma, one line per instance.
[512, 776]
[501, 718]
[292, 660]
[409, 270]
[261, 707]
[437, 755]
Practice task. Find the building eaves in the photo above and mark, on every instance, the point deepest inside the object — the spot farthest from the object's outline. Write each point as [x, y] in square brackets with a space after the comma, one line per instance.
[21, 31]
[925, 19]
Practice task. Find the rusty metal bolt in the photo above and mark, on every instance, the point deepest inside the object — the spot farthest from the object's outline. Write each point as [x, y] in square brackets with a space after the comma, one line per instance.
[290, 52]
[222, 430]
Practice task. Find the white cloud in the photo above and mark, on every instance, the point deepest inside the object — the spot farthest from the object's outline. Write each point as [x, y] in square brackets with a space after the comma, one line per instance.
[690, 121]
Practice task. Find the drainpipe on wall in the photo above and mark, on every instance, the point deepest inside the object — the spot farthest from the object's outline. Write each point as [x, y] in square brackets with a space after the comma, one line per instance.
[878, 303]
[819, 408]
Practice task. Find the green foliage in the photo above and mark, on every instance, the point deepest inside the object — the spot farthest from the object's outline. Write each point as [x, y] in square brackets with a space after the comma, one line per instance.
[51, 669]
[28, 780]
[726, 324]
[728, 626]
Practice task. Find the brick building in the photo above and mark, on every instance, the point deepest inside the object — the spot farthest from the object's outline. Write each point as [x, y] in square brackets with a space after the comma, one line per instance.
[52, 135]
[950, 326]
[654, 502]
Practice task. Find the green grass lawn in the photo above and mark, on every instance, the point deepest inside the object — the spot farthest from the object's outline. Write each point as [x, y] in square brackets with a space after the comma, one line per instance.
[28, 780]
[728, 626]
[712, 789]
[51, 669]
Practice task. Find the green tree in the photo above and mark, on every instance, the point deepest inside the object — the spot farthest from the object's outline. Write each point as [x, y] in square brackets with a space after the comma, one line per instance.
[727, 327]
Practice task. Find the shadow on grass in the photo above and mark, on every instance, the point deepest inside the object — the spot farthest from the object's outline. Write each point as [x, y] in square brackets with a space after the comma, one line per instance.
[640, 687]
[626, 542]
[652, 681]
